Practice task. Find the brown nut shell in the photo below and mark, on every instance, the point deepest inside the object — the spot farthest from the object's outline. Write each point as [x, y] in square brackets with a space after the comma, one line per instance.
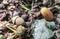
[20, 21]
[17, 20]
[46, 13]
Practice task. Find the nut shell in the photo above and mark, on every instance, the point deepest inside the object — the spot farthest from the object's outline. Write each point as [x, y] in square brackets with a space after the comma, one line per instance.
[20, 30]
[46, 13]
[17, 20]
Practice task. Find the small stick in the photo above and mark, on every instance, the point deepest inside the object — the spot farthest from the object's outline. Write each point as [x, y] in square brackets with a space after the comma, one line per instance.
[9, 27]
[12, 36]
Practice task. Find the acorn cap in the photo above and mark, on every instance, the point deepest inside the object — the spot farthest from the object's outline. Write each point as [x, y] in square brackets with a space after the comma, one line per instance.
[20, 30]
[17, 20]
[46, 13]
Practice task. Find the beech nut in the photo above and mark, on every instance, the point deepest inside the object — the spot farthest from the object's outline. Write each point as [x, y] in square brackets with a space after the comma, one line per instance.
[46, 13]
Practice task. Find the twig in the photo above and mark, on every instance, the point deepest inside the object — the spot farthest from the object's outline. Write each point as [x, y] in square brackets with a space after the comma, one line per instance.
[8, 26]
[24, 7]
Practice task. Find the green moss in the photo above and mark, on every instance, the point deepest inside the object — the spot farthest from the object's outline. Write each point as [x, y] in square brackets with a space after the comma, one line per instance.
[1, 37]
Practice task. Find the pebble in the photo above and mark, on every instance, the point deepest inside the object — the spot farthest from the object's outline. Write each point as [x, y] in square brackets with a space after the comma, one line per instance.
[0, 31]
[57, 33]
[58, 20]
[2, 6]
[24, 16]
[57, 6]
[58, 15]
[45, 1]
[57, 1]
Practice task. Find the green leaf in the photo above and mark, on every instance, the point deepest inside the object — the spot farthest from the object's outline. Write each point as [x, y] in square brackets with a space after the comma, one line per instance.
[28, 6]
[24, 7]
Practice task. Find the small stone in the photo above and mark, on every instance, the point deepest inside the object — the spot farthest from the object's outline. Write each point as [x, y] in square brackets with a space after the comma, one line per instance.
[57, 6]
[58, 15]
[58, 20]
[45, 2]
[5, 2]
[24, 16]
[57, 26]
[0, 31]
[58, 33]
[2, 6]
[57, 1]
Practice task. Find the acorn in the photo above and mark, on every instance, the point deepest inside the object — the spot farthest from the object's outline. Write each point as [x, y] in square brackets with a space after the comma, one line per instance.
[17, 20]
[20, 30]
[46, 13]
